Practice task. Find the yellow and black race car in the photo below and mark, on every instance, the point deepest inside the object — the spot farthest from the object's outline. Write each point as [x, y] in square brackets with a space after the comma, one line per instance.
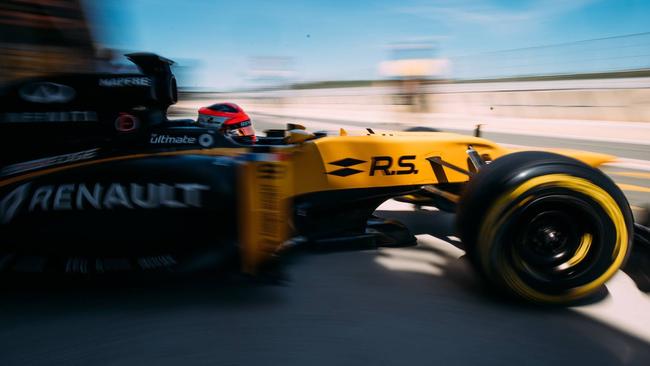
[545, 226]
[100, 187]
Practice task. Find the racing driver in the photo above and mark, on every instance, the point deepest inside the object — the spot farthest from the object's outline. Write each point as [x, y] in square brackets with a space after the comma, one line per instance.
[230, 119]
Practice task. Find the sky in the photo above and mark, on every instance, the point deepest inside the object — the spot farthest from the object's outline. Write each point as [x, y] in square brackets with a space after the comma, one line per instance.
[223, 41]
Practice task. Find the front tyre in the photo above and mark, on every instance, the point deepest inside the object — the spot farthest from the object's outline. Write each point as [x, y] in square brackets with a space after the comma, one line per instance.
[545, 227]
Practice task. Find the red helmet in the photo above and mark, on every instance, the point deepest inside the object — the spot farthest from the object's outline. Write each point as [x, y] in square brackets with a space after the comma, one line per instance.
[230, 119]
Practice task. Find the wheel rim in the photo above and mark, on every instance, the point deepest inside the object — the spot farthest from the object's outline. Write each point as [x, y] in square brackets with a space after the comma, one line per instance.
[556, 238]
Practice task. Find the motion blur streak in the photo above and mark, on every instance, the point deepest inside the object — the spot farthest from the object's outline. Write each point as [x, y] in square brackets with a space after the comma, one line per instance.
[41, 37]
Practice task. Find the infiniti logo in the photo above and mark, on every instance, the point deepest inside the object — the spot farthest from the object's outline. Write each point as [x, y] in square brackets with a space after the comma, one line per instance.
[46, 92]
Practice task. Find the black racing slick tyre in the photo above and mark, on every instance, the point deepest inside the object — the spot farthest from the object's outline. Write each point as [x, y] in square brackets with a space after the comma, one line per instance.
[544, 227]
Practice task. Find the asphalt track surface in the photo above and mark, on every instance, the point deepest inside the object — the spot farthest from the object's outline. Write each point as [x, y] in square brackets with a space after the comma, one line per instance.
[417, 305]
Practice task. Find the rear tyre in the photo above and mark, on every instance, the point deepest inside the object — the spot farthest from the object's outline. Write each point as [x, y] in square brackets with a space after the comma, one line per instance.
[545, 227]
[422, 129]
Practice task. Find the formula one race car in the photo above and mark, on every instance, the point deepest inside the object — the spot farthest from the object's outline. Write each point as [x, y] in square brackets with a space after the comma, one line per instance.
[94, 178]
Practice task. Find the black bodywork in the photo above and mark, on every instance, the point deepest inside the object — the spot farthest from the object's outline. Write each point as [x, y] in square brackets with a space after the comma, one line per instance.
[95, 177]
[124, 193]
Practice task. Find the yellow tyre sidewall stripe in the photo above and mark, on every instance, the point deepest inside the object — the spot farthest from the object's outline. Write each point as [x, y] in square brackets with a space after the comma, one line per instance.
[496, 217]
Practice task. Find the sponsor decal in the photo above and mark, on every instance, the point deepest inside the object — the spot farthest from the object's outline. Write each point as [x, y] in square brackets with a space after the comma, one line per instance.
[125, 81]
[206, 140]
[379, 165]
[167, 139]
[384, 164]
[346, 164]
[49, 161]
[99, 196]
[46, 92]
[126, 123]
[154, 262]
[12, 202]
[40, 117]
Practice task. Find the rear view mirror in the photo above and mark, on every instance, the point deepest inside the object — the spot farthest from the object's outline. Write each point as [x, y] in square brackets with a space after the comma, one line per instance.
[295, 126]
[298, 136]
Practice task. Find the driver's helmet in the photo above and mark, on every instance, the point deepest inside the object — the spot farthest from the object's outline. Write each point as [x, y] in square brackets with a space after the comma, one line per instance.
[229, 119]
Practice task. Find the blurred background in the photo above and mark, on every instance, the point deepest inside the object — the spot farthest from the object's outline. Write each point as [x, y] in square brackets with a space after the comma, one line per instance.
[583, 59]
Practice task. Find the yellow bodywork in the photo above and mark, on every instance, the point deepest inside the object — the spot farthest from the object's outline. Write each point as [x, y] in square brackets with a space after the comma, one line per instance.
[312, 159]
[264, 207]
[310, 166]
[590, 158]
